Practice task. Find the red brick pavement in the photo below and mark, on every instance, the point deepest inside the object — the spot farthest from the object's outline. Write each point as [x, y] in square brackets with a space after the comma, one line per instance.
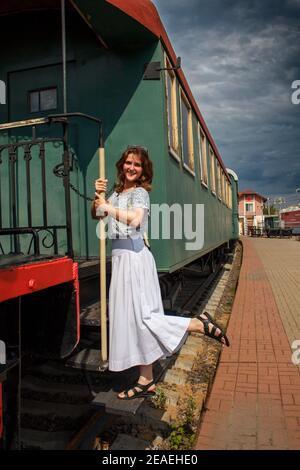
[255, 398]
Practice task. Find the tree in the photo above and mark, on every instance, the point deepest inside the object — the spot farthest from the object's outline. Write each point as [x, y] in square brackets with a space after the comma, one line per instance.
[270, 210]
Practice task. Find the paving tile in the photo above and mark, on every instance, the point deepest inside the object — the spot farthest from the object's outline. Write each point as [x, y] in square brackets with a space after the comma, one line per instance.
[255, 400]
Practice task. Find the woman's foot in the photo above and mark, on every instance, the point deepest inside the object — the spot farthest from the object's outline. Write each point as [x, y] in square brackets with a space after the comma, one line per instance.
[142, 388]
[206, 325]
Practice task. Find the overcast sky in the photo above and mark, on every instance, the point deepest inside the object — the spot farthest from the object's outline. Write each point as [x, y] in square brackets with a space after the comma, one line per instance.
[240, 58]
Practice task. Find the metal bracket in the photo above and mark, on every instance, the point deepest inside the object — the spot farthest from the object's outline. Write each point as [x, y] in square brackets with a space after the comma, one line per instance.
[153, 69]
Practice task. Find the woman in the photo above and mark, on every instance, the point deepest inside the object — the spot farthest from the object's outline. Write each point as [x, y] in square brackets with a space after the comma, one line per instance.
[140, 333]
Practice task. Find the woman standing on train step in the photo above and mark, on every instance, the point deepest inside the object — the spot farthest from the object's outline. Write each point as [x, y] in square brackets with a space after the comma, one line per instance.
[140, 333]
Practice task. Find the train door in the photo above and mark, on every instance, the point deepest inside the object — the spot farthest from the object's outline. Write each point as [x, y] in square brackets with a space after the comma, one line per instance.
[34, 93]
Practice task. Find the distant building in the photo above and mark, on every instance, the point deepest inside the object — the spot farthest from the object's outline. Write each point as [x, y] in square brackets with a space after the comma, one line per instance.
[290, 217]
[250, 211]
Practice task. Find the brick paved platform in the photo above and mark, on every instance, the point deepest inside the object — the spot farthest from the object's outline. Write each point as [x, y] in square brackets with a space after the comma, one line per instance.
[255, 399]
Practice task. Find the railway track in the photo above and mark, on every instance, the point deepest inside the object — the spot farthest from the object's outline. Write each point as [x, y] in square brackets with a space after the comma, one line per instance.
[56, 411]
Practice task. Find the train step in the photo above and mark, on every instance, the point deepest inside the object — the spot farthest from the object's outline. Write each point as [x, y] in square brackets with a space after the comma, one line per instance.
[32, 439]
[88, 269]
[113, 405]
[89, 360]
[5, 368]
[90, 314]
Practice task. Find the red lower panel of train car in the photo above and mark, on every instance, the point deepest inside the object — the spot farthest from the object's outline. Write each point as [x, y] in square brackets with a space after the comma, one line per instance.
[45, 294]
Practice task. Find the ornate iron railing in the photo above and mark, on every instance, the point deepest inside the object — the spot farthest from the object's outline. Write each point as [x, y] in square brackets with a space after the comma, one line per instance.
[44, 234]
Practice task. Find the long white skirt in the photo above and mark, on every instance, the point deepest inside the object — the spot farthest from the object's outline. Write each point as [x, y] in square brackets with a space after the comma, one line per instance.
[140, 332]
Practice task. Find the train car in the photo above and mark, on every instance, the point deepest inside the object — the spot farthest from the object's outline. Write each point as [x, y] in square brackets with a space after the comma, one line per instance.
[77, 74]
[290, 217]
[235, 204]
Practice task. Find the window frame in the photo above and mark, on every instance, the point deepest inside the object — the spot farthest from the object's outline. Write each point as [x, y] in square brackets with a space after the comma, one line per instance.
[249, 204]
[219, 176]
[172, 121]
[224, 180]
[39, 91]
[203, 155]
[212, 171]
[227, 192]
[230, 196]
[190, 167]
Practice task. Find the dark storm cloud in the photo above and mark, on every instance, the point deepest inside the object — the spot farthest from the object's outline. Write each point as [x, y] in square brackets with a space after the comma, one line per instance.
[240, 58]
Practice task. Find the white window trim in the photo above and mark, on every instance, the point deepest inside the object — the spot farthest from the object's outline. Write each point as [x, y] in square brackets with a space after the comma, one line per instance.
[248, 202]
[224, 183]
[226, 192]
[200, 131]
[174, 155]
[219, 180]
[187, 168]
[174, 109]
[212, 171]
[191, 155]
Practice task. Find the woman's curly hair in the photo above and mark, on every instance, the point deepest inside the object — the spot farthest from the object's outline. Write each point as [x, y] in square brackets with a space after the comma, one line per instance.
[147, 174]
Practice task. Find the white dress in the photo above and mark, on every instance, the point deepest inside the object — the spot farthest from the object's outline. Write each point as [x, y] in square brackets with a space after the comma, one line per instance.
[140, 332]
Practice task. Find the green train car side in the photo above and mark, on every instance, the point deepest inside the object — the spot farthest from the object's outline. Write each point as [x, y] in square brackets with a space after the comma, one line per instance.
[235, 204]
[108, 45]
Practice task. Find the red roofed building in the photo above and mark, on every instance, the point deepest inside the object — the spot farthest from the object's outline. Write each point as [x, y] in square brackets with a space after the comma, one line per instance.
[290, 217]
[250, 211]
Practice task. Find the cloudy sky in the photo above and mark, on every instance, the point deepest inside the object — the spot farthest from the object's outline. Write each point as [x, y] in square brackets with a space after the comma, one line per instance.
[240, 58]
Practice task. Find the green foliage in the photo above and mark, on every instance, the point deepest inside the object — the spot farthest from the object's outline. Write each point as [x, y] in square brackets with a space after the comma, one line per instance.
[182, 435]
[176, 437]
[270, 210]
[159, 399]
[190, 411]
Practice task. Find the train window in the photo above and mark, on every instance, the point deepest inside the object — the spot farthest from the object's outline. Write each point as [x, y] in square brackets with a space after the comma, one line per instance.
[171, 97]
[223, 187]
[187, 145]
[212, 170]
[230, 197]
[42, 100]
[219, 180]
[202, 156]
[226, 192]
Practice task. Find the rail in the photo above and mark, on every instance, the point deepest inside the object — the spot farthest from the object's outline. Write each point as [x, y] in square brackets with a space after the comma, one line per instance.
[13, 174]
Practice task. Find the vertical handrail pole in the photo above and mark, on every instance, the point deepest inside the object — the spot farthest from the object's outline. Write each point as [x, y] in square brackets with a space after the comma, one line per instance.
[66, 160]
[27, 158]
[44, 186]
[0, 190]
[103, 320]
[64, 52]
[12, 171]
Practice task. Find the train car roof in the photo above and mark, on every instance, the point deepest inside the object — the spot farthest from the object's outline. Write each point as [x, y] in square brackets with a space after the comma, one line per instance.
[233, 174]
[145, 14]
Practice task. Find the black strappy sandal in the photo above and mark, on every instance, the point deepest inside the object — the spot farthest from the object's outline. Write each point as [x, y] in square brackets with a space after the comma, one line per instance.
[212, 334]
[143, 391]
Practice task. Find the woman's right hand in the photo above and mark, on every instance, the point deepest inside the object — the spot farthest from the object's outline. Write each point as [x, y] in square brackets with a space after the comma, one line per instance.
[101, 185]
